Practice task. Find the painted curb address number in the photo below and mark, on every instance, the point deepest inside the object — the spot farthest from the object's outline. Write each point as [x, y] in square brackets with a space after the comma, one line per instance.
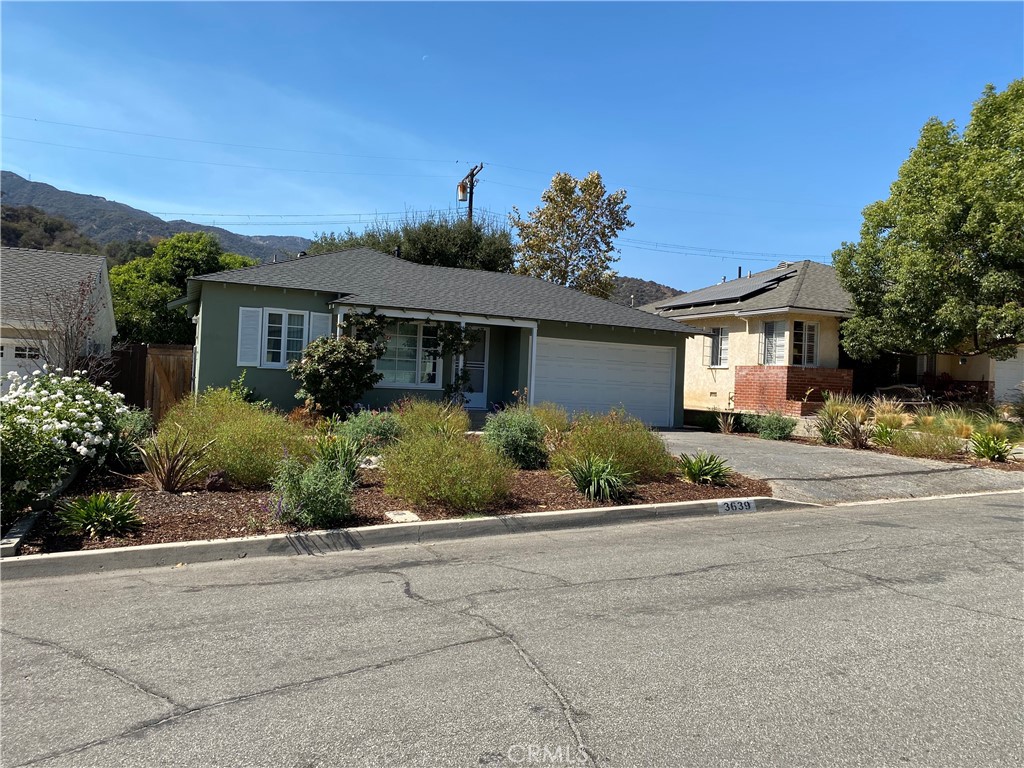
[736, 505]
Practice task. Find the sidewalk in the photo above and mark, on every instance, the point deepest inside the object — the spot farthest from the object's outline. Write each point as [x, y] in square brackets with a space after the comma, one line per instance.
[826, 475]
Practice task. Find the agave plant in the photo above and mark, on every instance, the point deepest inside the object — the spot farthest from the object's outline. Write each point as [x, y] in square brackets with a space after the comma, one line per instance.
[172, 462]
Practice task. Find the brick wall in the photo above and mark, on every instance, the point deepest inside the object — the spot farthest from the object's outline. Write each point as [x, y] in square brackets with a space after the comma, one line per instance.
[764, 388]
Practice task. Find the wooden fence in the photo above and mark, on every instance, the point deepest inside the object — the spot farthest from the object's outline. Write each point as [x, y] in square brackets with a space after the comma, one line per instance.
[153, 376]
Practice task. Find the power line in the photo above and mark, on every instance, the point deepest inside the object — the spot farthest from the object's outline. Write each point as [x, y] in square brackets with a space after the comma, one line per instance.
[375, 157]
[222, 143]
[732, 251]
[227, 165]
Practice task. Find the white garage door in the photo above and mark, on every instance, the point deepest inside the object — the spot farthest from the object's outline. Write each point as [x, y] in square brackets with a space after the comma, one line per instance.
[596, 376]
[1009, 377]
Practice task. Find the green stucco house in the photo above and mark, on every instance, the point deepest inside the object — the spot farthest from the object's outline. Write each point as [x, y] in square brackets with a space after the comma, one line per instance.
[555, 343]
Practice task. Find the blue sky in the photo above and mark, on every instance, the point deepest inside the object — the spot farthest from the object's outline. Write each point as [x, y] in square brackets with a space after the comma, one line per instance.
[742, 132]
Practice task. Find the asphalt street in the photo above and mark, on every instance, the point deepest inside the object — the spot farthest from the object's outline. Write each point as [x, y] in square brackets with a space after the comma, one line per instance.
[827, 475]
[862, 635]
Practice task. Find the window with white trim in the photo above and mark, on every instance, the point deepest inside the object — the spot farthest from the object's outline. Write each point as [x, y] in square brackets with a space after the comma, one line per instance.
[773, 343]
[805, 344]
[719, 348]
[411, 358]
[27, 353]
[271, 338]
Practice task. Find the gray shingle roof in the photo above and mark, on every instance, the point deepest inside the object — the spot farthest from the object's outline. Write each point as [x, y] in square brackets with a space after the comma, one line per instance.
[805, 285]
[28, 274]
[367, 277]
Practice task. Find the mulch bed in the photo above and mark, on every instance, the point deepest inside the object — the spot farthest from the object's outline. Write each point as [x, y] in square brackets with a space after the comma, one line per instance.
[199, 515]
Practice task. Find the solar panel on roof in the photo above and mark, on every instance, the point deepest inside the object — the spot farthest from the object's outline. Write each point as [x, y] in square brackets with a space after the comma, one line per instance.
[734, 290]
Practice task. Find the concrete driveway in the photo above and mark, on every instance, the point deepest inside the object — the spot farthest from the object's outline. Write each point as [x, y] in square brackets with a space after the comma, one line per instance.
[827, 475]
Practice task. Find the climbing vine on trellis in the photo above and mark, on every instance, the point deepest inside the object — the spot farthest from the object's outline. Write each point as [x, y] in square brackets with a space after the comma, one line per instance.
[453, 340]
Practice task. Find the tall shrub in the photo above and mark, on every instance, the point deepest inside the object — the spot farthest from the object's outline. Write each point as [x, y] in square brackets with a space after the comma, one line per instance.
[248, 441]
[517, 434]
[51, 423]
[333, 373]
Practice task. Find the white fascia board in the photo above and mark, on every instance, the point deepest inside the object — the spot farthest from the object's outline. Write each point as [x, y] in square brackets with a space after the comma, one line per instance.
[447, 317]
[800, 310]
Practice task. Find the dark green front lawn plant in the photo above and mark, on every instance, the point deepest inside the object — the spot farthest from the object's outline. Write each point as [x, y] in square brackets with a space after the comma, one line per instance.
[600, 479]
[705, 468]
[99, 515]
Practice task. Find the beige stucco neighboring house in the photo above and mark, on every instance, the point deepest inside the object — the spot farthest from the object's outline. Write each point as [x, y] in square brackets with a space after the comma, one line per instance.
[50, 304]
[773, 342]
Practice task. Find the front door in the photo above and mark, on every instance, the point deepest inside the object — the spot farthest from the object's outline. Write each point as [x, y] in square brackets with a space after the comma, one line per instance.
[474, 363]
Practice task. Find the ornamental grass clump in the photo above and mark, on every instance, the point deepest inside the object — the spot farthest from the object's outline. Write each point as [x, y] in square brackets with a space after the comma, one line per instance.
[99, 515]
[517, 434]
[416, 416]
[599, 479]
[50, 425]
[925, 445]
[623, 439]
[244, 440]
[172, 460]
[705, 468]
[433, 467]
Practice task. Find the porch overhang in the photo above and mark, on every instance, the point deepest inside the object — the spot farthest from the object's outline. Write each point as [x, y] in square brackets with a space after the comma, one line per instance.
[340, 307]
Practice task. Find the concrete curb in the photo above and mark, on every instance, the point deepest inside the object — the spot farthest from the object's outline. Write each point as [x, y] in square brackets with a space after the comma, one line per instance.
[320, 543]
[11, 543]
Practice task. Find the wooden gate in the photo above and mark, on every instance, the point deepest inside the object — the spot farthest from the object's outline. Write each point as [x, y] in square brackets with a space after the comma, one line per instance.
[168, 376]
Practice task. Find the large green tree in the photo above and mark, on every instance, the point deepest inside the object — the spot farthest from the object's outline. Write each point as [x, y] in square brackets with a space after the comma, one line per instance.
[570, 238]
[940, 264]
[437, 239]
[142, 287]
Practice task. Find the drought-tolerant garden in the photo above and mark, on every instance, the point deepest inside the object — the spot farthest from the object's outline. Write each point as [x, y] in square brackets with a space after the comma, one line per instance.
[980, 433]
[222, 464]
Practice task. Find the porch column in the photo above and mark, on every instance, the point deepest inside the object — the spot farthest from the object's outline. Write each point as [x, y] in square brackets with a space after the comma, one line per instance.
[533, 365]
[461, 363]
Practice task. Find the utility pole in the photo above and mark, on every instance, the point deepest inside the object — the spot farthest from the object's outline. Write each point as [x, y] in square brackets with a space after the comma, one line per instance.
[464, 188]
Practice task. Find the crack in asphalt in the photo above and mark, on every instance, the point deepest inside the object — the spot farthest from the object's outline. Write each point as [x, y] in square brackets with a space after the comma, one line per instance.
[888, 584]
[568, 712]
[93, 664]
[186, 711]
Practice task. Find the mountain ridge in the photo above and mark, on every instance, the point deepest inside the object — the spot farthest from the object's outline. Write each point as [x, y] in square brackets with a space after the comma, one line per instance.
[104, 221]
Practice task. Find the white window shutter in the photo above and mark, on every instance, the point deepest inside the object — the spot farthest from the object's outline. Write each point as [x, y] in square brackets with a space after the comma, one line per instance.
[250, 325]
[320, 324]
[761, 345]
[707, 351]
[724, 355]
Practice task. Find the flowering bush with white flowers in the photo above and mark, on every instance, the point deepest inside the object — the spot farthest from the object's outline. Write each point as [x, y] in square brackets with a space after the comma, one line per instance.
[49, 424]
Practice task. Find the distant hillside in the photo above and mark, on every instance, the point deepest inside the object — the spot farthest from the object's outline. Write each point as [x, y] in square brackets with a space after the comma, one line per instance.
[641, 291]
[28, 227]
[104, 221]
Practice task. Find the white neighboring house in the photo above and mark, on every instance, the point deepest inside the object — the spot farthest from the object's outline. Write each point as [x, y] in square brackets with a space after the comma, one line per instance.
[52, 303]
